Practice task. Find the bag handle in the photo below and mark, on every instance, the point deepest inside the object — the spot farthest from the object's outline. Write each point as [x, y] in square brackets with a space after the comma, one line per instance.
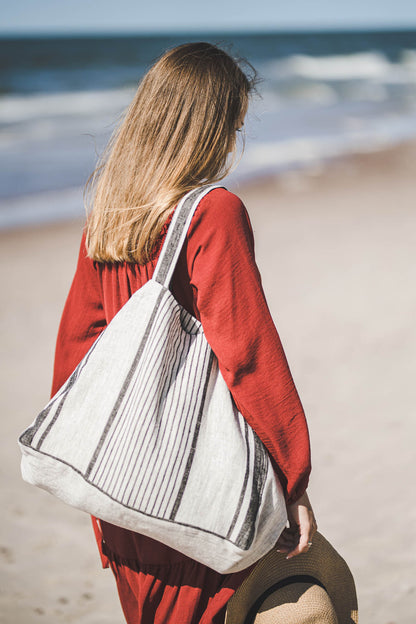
[176, 234]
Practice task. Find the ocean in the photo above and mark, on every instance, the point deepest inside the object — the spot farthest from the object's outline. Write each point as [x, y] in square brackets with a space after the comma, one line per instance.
[322, 94]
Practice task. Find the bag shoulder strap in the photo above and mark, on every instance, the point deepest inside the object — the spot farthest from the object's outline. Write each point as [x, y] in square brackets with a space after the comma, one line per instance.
[176, 234]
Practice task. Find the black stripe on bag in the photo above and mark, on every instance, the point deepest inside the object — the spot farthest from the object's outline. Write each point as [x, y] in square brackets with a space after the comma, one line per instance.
[28, 435]
[244, 488]
[194, 441]
[71, 381]
[290, 580]
[152, 459]
[104, 475]
[125, 386]
[200, 369]
[179, 446]
[246, 535]
[163, 268]
[136, 446]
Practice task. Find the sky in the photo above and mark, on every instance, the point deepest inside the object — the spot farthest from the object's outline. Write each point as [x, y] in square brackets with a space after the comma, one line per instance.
[118, 16]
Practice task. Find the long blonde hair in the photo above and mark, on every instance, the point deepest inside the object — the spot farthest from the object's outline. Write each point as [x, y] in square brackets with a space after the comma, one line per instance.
[177, 134]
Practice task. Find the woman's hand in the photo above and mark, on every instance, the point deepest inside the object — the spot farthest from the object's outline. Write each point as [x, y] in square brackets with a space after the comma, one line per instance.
[298, 537]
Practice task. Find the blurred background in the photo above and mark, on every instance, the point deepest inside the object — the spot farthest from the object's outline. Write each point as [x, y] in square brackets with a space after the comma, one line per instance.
[68, 75]
[328, 177]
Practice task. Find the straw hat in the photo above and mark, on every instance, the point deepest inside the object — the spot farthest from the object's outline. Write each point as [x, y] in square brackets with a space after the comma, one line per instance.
[311, 588]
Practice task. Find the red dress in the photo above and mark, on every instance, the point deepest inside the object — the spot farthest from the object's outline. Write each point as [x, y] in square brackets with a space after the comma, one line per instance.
[217, 280]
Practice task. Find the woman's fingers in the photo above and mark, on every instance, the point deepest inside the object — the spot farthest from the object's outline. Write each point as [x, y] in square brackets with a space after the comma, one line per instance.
[302, 546]
[302, 517]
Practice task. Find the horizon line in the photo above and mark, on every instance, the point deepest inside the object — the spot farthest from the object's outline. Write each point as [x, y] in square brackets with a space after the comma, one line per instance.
[208, 31]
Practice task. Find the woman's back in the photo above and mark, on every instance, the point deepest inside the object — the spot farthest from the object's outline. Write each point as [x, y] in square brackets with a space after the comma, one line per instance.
[177, 135]
[216, 280]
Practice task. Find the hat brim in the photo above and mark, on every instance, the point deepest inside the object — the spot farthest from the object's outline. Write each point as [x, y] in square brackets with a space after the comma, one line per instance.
[322, 562]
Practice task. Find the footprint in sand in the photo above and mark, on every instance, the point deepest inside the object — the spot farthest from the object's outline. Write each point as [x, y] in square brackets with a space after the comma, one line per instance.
[6, 554]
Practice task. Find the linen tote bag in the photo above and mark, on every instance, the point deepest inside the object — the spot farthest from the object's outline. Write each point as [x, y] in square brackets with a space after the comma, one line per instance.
[145, 434]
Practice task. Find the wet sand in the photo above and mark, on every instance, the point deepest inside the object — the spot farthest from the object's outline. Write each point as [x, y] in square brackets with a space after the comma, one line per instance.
[336, 249]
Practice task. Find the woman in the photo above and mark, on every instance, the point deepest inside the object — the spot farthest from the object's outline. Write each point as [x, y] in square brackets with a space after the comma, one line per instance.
[177, 134]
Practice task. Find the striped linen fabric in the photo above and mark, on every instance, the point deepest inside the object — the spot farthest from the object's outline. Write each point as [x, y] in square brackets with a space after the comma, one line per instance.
[145, 434]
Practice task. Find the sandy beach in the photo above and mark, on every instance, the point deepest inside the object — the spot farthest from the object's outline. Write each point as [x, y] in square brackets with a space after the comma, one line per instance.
[336, 249]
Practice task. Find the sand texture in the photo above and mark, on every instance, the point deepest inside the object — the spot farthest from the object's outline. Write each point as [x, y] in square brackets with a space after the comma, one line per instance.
[336, 249]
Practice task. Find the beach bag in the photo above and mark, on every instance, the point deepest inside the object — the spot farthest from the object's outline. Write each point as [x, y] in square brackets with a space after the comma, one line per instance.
[145, 434]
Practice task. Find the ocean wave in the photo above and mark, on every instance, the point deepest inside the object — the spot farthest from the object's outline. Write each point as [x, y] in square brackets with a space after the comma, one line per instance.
[368, 76]
[408, 60]
[264, 157]
[364, 65]
[301, 78]
[274, 156]
[24, 108]
[313, 109]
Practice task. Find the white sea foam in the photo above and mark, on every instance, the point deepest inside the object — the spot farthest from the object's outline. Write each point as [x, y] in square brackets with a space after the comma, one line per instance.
[272, 157]
[364, 65]
[408, 60]
[313, 92]
[24, 108]
[54, 117]
[362, 90]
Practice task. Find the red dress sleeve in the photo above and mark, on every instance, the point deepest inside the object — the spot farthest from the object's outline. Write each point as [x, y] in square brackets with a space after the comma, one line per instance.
[82, 319]
[231, 304]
